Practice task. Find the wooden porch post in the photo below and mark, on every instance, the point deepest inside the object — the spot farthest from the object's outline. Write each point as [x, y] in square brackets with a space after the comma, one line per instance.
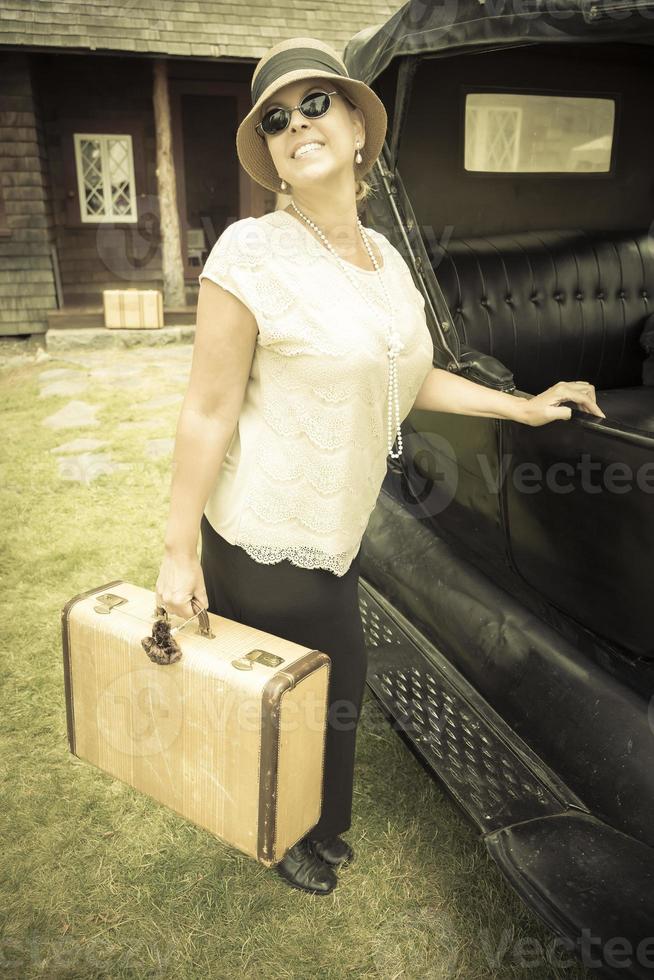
[171, 248]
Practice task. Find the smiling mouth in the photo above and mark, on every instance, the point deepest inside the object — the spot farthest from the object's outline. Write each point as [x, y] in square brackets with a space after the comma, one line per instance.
[305, 153]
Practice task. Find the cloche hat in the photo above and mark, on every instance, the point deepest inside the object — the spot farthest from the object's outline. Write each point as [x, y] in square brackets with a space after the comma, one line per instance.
[289, 61]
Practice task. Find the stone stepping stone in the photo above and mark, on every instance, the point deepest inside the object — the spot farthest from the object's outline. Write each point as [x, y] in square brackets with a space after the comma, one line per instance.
[128, 383]
[169, 377]
[14, 360]
[162, 401]
[169, 363]
[117, 372]
[65, 386]
[58, 374]
[158, 448]
[85, 360]
[138, 424]
[99, 360]
[86, 467]
[80, 445]
[174, 353]
[73, 415]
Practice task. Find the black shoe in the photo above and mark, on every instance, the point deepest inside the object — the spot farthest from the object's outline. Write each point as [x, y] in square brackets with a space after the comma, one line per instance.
[333, 850]
[302, 869]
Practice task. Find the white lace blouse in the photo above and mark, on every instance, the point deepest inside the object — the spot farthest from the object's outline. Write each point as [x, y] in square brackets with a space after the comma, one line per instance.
[308, 456]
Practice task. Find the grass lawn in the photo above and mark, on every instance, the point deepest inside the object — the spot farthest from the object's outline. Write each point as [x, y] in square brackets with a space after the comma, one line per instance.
[98, 880]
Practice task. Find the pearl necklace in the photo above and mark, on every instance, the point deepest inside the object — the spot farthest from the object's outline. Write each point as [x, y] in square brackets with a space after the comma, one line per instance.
[395, 344]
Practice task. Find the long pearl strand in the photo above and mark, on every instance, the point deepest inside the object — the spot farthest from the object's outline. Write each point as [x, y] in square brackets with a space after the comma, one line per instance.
[395, 344]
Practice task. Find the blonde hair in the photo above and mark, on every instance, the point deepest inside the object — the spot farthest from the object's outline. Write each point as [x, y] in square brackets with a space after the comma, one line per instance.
[363, 191]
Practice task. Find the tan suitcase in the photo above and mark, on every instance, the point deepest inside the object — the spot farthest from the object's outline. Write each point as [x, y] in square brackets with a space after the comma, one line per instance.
[137, 309]
[231, 735]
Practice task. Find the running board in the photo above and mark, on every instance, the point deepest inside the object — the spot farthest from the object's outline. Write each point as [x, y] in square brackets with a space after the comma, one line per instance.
[490, 772]
[590, 883]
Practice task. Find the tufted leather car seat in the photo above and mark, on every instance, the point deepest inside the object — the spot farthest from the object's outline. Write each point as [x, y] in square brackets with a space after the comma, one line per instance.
[554, 305]
[575, 513]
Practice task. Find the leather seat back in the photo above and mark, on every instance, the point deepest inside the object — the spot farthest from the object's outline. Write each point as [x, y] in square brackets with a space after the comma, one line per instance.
[553, 305]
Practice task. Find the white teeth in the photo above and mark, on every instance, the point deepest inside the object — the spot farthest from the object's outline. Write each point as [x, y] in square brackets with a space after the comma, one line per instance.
[307, 148]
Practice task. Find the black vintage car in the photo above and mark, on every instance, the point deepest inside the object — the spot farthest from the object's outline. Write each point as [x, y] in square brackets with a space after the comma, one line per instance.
[507, 570]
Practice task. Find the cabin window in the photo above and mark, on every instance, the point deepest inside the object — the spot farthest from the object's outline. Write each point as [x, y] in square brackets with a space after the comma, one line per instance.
[104, 166]
[514, 133]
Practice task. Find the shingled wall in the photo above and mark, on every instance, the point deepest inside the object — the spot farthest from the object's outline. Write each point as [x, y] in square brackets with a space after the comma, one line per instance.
[186, 28]
[27, 285]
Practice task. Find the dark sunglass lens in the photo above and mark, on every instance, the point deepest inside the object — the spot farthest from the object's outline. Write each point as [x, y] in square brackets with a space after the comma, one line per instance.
[274, 121]
[315, 104]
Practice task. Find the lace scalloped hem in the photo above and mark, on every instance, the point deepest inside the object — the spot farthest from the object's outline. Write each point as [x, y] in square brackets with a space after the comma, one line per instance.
[301, 557]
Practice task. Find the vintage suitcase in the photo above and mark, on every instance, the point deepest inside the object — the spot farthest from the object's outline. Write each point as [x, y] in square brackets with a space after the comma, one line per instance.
[231, 735]
[133, 308]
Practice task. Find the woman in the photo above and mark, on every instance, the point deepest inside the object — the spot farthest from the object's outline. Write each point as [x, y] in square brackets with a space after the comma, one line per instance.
[311, 346]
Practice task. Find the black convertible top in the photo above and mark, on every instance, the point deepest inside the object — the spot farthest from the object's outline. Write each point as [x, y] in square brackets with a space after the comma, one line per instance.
[441, 28]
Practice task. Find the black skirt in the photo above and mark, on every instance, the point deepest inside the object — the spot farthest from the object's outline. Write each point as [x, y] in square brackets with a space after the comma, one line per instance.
[318, 609]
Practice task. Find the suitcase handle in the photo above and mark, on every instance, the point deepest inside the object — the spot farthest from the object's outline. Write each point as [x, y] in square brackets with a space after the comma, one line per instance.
[203, 619]
[161, 647]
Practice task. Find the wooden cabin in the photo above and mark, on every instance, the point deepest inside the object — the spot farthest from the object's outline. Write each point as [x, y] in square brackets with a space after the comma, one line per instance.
[118, 156]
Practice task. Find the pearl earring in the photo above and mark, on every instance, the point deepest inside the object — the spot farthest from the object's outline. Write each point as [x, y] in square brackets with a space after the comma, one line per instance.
[283, 184]
[358, 157]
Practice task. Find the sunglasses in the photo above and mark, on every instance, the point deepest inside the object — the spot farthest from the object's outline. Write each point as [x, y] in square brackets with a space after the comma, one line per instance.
[312, 106]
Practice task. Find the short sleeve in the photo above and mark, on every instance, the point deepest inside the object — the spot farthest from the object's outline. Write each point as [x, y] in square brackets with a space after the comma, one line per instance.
[238, 260]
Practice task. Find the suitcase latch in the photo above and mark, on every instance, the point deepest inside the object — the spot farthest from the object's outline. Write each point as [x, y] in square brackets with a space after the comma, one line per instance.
[107, 601]
[259, 657]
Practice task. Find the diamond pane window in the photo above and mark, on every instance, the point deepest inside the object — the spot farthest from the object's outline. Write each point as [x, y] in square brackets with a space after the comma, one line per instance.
[507, 132]
[105, 177]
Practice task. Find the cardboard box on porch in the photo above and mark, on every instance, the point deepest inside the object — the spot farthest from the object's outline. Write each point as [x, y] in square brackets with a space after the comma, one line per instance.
[136, 309]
